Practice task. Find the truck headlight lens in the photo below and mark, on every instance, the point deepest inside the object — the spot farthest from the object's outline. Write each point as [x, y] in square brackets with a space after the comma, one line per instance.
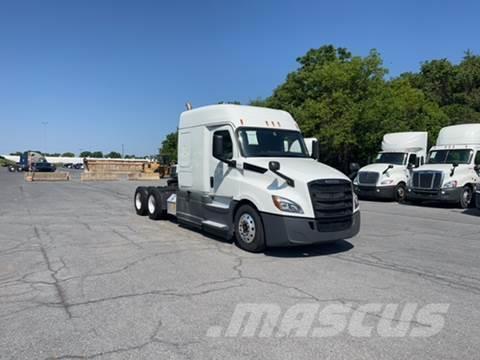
[387, 182]
[286, 205]
[450, 184]
[356, 202]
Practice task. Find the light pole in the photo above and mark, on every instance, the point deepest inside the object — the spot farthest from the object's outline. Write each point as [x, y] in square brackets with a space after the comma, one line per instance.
[44, 123]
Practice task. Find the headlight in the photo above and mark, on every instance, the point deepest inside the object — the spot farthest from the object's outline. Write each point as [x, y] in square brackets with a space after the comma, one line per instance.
[450, 184]
[356, 202]
[355, 181]
[387, 182]
[286, 205]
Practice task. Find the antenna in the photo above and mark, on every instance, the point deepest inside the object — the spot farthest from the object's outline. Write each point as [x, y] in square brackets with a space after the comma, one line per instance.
[188, 105]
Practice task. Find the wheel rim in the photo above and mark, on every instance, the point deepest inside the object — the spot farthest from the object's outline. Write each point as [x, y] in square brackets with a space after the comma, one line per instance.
[401, 192]
[246, 228]
[138, 201]
[151, 204]
[467, 196]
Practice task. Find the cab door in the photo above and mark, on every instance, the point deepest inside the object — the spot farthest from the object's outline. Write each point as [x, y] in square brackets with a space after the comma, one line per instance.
[224, 179]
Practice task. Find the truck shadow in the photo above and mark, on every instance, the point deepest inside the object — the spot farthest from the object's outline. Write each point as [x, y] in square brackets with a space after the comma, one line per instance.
[331, 248]
[432, 204]
[336, 247]
[472, 212]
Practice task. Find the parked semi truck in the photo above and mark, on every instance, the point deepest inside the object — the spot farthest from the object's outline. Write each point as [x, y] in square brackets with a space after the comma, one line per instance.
[452, 171]
[245, 172]
[388, 176]
[33, 161]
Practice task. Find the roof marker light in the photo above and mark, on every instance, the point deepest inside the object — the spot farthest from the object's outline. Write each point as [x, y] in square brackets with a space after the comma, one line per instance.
[241, 121]
[273, 123]
[278, 122]
[266, 122]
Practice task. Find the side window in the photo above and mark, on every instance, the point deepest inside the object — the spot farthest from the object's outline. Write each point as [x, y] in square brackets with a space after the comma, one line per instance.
[477, 158]
[227, 143]
[412, 159]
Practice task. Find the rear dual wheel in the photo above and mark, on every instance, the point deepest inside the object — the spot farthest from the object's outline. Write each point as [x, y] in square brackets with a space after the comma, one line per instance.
[148, 201]
[154, 204]
[140, 200]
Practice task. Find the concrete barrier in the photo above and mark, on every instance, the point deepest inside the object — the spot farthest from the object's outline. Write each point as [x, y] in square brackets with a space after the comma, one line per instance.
[143, 176]
[89, 176]
[47, 176]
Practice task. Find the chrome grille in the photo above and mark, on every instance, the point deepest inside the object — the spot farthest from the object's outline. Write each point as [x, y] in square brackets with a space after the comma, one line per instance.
[431, 180]
[368, 177]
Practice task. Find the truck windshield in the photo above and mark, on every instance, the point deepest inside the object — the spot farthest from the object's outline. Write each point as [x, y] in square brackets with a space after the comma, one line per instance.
[394, 158]
[260, 142]
[463, 156]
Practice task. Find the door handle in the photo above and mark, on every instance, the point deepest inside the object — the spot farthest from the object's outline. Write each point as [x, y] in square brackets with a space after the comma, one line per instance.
[211, 181]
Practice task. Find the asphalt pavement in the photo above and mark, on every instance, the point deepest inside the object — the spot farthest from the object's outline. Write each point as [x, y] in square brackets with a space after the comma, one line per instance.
[82, 276]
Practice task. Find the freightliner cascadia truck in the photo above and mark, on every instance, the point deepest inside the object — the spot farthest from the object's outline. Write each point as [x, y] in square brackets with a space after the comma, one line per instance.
[388, 176]
[452, 171]
[245, 172]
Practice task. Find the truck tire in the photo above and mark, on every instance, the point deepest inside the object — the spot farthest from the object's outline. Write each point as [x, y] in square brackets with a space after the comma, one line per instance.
[400, 193]
[249, 234]
[154, 204]
[466, 197]
[140, 200]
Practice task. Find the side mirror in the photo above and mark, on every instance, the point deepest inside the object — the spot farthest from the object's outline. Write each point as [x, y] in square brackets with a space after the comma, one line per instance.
[218, 147]
[455, 165]
[354, 167]
[315, 154]
[410, 166]
[477, 167]
[274, 166]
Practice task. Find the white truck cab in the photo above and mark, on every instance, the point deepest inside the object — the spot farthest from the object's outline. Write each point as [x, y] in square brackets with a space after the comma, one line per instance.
[452, 171]
[388, 176]
[245, 171]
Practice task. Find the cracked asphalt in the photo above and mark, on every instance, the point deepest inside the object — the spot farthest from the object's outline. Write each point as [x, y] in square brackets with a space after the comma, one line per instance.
[81, 276]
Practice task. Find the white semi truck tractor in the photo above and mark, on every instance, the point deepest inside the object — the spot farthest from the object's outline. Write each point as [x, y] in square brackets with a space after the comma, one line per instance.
[245, 172]
[388, 176]
[452, 171]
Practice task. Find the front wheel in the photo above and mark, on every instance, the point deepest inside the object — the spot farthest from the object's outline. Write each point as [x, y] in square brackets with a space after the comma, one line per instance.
[400, 193]
[466, 197]
[249, 234]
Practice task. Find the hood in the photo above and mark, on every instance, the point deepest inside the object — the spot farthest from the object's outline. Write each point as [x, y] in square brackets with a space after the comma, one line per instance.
[380, 168]
[302, 169]
[438, 167]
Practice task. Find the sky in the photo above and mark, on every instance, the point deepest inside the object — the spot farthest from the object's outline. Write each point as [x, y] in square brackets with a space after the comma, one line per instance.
[96, 74]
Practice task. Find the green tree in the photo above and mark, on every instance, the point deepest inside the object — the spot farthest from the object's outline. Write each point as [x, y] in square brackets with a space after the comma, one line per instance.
[169, 146]
[345, 102]
[68, 154]
[97, 154]
[114, 155]
[455, 88]
[85, 154]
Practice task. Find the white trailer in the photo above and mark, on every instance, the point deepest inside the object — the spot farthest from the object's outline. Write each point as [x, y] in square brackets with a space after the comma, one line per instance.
[388, 176]
[452, 172]
[245, 172]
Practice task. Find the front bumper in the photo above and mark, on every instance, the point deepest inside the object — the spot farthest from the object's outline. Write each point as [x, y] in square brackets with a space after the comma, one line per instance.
[377, 192]
[442, 195]
[290, 231]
